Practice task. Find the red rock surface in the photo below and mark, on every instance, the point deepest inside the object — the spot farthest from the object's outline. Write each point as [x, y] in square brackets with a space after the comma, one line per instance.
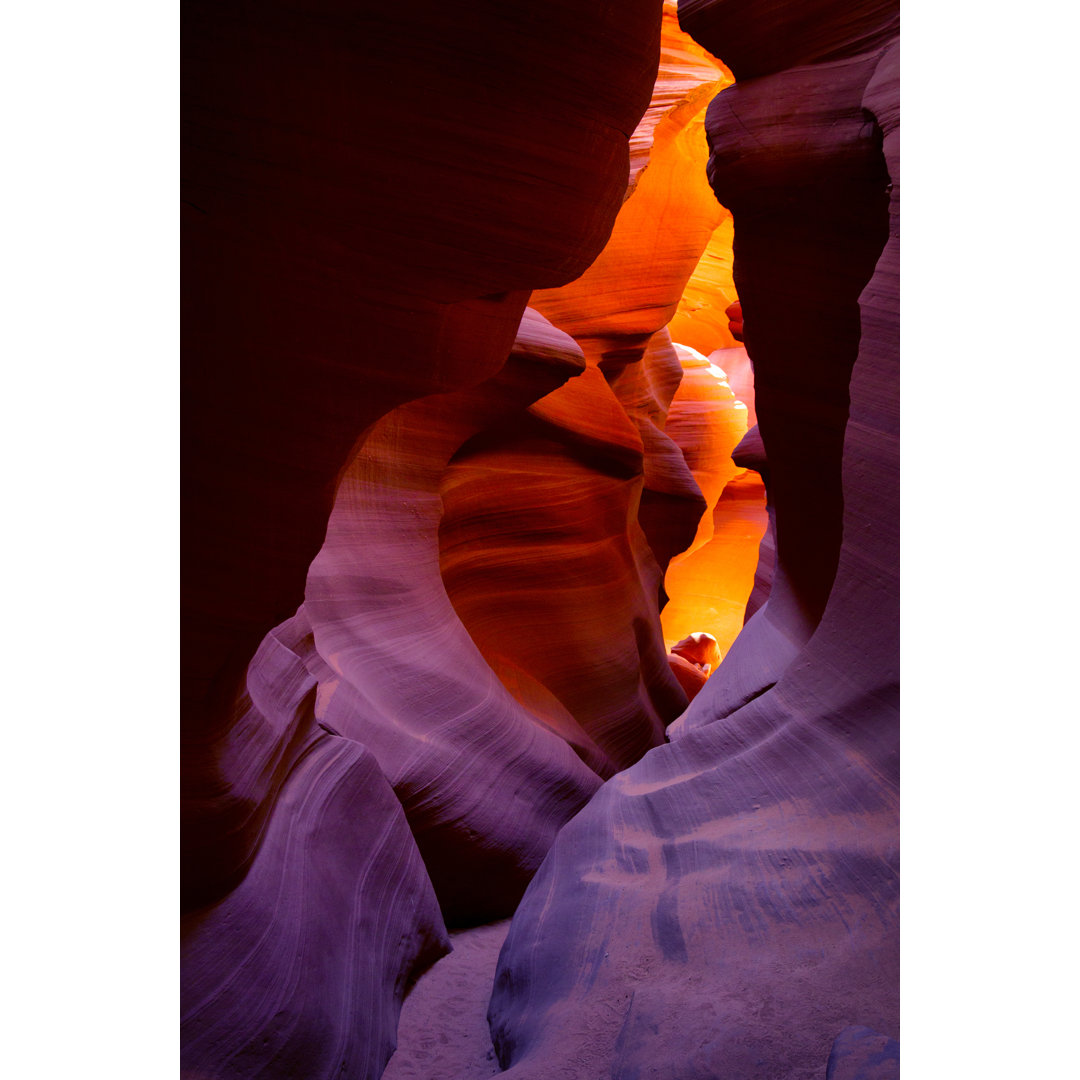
[619, 308]
[702, 321]
[733, 897]
[686, 81]
[549, 571]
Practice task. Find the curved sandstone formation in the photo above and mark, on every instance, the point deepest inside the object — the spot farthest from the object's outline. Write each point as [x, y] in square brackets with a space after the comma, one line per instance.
[485, 784]
[618, 309]
[364, 215]
[428, 527]
[708, 583]
[546, 566]
[300, 970]
[702, 322]
[687, 79]
[733, 897]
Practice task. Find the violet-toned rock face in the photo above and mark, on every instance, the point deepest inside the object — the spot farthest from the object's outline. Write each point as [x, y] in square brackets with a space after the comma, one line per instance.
[445, 465]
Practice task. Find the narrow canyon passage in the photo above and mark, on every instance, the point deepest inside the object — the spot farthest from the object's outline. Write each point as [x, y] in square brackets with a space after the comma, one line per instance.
[540, 614]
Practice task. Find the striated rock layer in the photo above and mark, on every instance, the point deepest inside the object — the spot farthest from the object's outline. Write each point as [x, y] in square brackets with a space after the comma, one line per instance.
[731, 901]
[546, 565]
[300, 970]
[618, 309]
[369, 198]
[701, 321]
[485, 782]
[557, 525]
[708, 584]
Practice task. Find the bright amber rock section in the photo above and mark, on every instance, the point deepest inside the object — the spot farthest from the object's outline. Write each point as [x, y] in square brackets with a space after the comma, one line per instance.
[708, 584]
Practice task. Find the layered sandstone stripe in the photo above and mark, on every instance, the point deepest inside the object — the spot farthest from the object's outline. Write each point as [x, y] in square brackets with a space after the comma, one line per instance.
[619, 308]
[700, 321]
[485, 783]
[301, 968]
[708, 584]
[734, 896]
[547, 567]
[369, 196]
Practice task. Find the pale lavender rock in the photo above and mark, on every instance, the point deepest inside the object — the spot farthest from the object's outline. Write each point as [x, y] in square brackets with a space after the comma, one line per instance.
[301, 969]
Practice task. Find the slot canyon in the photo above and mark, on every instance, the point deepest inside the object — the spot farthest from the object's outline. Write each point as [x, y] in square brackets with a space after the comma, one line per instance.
[540, 614]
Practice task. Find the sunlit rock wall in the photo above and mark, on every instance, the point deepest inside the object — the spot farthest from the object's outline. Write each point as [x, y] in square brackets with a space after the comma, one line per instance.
[619, 308]
[709, 583]
[700, 321]
[733, 897]
[558, 526]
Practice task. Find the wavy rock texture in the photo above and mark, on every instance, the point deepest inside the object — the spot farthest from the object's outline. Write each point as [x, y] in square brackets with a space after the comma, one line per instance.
[708, 583]
[619, 308]
[687, 79]
[557, 525]
[367, 196]
[710, 587]
[548, 569]
[733, 897]
[370, 197]
[300, 970]
[809, 192]
[484, 783]
[701, 322]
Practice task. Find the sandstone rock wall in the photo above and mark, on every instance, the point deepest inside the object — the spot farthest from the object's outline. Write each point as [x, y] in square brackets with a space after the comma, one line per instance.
[709, 582]
[428, 526]
[369, 197]
[734, 896]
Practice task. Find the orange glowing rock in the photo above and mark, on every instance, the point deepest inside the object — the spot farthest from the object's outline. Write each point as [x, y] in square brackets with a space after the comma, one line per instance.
[691, 677]
[618, 309]
[688, 78]
[670, 212]
[634, 286]
[708, 584]
[700, 649]
[547, 568]
[702, 321]
[735, 364]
